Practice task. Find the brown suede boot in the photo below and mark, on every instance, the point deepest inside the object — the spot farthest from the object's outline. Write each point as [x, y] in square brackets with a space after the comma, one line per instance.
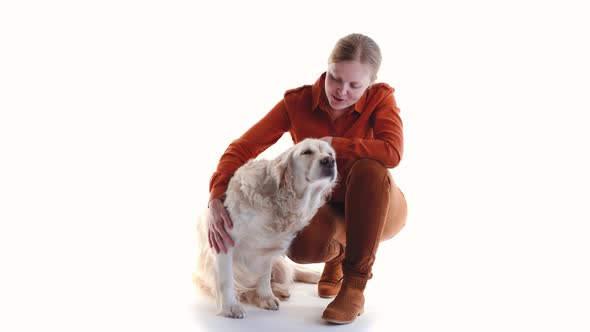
[331, 280]
[349, 303]
[366, 208]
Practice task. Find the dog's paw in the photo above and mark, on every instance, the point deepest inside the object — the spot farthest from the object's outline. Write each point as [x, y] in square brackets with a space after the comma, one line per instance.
[232, 311]
[269, 302]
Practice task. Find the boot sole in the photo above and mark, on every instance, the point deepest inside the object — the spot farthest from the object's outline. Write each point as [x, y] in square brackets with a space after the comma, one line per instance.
[335, 321]
[327, 296]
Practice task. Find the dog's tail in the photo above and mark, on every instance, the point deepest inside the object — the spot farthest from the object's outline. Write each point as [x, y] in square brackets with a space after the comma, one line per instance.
[306, 275]
[284, 271]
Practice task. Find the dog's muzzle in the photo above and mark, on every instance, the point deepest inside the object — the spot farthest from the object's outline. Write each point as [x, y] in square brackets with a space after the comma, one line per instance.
[327, 165]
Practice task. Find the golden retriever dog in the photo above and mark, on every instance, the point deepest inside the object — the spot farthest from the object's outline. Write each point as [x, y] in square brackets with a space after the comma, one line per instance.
[269, 201]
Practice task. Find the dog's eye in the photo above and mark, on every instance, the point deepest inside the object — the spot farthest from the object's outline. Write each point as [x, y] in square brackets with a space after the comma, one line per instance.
[308, 151]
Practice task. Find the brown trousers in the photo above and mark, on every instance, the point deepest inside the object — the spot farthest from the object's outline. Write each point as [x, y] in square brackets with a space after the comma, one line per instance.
[374, 210]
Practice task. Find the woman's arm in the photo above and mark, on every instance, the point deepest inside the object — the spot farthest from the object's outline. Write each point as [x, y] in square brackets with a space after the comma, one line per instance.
[387, 145]
[257, 139]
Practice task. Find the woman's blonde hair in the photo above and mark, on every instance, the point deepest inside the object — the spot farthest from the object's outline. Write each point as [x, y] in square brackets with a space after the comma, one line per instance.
[357, 47]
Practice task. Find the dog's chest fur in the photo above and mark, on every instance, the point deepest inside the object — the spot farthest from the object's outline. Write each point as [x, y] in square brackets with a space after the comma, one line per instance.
[265, 220]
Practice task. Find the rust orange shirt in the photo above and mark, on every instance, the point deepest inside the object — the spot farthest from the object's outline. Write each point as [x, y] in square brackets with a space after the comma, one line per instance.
[372, 129]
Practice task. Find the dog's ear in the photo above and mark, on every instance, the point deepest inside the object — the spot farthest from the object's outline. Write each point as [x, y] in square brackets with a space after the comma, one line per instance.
[279, 171]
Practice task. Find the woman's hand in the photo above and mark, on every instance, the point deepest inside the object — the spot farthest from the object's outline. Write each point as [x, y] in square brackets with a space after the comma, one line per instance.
[218, 221]
[327, 139]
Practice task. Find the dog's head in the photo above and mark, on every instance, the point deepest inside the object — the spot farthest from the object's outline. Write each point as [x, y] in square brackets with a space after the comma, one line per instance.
[314, 160]
[311, 162]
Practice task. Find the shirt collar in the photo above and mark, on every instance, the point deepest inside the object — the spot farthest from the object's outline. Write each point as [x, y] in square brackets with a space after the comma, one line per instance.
[318, 97]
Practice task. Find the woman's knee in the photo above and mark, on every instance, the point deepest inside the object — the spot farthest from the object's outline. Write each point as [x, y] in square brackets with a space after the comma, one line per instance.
[305, 252]
[298, 252]
[311, 244]
[366, 171]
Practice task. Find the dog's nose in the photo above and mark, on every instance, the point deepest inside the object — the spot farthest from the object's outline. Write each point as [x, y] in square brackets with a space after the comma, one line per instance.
[327, 162]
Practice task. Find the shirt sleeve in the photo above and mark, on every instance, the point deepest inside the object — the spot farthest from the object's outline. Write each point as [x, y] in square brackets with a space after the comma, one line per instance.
[257, 139]
[387, 144]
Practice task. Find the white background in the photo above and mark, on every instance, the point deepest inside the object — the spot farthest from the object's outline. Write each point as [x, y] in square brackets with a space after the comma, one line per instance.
[113, 115]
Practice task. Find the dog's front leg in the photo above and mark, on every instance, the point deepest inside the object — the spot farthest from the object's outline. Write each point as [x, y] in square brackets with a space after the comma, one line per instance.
[266, 298]
[229, 306]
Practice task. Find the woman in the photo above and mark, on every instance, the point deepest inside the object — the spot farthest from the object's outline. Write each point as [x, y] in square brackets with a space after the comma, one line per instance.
[361, 121]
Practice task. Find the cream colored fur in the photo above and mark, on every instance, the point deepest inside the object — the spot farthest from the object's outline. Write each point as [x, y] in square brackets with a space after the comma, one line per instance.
[269, 201]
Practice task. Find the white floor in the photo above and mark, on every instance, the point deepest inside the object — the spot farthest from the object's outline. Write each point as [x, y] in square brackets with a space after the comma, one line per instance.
[301, 312]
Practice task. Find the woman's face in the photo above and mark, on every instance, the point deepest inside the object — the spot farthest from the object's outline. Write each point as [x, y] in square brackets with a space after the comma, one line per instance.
[346, 81]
